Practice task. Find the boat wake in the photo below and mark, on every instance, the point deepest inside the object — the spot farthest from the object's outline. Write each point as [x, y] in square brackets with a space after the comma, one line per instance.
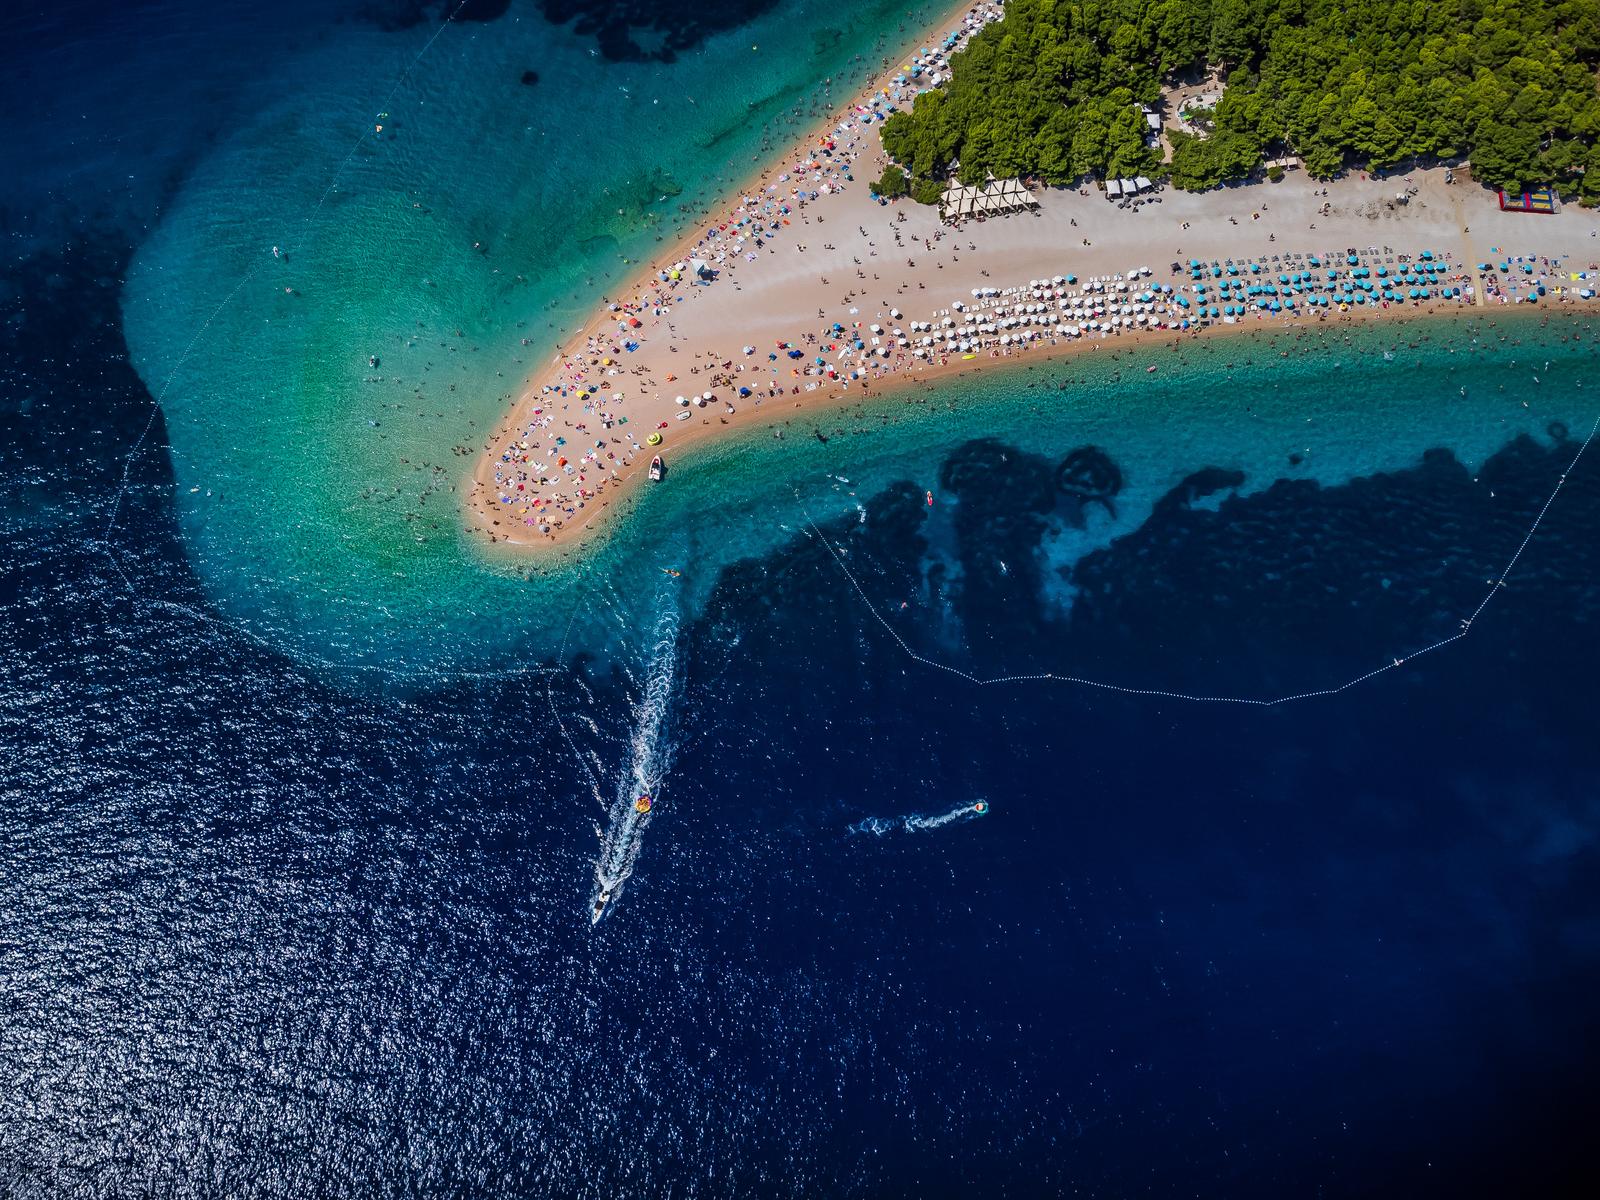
[639, 789]
[916, 822]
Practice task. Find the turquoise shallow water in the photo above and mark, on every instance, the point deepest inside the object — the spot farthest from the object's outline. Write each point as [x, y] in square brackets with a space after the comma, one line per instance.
[318, 494]
[454, 246]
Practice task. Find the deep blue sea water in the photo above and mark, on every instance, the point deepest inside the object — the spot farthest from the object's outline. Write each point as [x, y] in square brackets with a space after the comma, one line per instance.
[269, 929]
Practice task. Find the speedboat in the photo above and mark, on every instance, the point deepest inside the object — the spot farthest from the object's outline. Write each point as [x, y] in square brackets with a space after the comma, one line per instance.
[600, 902]
[657, 469]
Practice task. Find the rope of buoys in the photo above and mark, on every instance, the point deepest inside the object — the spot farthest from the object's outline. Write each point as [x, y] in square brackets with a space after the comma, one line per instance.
[1466, 624]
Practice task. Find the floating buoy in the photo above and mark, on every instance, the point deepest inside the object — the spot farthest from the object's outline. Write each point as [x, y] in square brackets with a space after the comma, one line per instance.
[642, 804]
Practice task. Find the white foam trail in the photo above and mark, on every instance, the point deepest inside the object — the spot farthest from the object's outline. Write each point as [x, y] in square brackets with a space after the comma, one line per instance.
[913, 822]
[649, 757]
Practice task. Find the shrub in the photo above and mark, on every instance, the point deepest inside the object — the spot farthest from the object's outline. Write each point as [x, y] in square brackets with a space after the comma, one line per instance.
[892, 183]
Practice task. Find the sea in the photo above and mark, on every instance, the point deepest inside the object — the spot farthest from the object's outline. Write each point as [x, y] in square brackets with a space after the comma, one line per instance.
[1155, 772]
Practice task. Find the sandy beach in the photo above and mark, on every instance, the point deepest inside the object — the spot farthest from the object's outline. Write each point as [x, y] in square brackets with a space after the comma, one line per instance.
[808, 292]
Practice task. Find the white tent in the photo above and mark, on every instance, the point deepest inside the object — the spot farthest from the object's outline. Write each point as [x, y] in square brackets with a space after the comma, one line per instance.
[995, 198]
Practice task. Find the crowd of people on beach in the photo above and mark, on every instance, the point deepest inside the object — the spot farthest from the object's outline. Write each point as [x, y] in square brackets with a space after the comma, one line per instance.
[545, 477]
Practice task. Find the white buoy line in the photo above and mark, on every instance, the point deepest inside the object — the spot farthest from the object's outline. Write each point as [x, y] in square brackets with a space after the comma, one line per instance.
[1465, 628]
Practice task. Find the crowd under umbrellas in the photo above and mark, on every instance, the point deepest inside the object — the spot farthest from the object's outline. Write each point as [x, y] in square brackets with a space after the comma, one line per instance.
[928, 67]
[998, 322]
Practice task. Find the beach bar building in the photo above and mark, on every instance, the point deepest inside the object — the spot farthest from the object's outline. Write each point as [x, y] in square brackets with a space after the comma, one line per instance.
[994, 199]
